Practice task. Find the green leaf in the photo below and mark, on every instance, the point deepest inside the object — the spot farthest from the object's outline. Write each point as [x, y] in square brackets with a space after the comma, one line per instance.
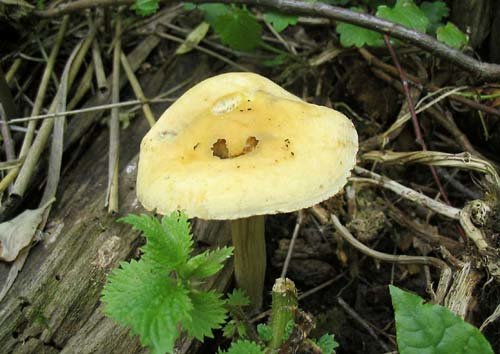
[208, 313]
[145, 7]
[265, 332]
[169, 242]
[208, 263]
[238, 298]
[327, 344]
[238, 29]
[351, 35]
[406, 13]
[214, 11]
[229, 329]
[280, 21]
[435, 12]
[151, 303]
[244, 347]
[290, 325]
[451, 35]
[428, 328]
[193, 38]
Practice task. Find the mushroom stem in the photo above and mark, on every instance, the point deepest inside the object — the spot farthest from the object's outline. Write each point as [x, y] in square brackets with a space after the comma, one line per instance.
[249, 244]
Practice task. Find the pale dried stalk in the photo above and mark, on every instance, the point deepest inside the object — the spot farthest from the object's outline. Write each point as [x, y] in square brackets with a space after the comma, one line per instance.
[40, 142]
[407, 193]
[435, 158]
[420, 107]
[446, 273]
[114, 124]
[136, 86]
[459, 297]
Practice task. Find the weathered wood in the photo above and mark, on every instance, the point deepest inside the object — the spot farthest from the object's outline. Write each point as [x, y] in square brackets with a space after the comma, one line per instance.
[474, 18]
[54, 307]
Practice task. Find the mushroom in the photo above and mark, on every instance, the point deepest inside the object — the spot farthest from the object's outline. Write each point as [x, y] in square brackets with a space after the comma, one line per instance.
[238, 147]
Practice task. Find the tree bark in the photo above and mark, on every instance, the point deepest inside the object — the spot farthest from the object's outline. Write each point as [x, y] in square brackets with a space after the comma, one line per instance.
[54, 307]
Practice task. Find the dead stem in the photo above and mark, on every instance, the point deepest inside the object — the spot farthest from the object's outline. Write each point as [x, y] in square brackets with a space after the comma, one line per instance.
[407, 193]
[9, 76]
[416, 126]
[435, 158]
[368, 326]
[446, 273]
[114, 123]
[288, 258]
[204, 50]
[40, 142]
[136, 86]
[10, 153]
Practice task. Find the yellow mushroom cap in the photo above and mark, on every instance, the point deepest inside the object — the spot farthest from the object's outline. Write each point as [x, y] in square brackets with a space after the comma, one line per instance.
[238, 145]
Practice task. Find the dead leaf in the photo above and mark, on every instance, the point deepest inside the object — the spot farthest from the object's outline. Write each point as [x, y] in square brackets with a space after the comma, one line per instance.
[17, 234]
[193, 38]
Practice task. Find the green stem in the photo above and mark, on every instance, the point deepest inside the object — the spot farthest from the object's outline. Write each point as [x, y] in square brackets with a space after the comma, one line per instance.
[250, 256]
[283, 310]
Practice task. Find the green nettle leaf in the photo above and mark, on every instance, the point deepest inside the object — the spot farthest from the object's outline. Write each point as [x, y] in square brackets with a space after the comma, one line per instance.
[208, 263]
[169, 242]
[429, 328]
[238, 298]
[238, 29]
[208, 313]
[265, 332]
[243, 347]
[146, 296]
[327, 344]
[435, 12]
[151, 303]
[351, 35]
[229, 329]
[406, 13]
[280, 21]
[146, 7]
[451, 35]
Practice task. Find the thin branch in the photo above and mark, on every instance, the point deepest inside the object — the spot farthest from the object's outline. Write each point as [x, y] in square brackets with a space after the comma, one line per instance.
[407, 193]
[446, 273]
[411, 106]
[484, 71]
[204, 50]
[368, 326]
[288, 258]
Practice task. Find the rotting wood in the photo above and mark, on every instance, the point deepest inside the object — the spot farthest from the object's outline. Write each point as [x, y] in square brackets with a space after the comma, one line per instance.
[54, 305]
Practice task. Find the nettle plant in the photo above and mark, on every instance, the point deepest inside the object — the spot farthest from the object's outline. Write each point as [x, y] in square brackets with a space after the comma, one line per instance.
[162, 294]
[238, 27]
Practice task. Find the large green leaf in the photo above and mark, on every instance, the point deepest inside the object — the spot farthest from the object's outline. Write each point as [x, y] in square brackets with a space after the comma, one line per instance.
[208, 313]
[152, 304]
[406, 13]
[433, 329]
[169, 242]
[451, 35]
[238, 28]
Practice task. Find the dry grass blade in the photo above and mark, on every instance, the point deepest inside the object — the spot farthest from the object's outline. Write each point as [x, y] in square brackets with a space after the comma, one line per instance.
[419, 107]
[56, 151]
[435, 158]
[40, 142]
[7, 138]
